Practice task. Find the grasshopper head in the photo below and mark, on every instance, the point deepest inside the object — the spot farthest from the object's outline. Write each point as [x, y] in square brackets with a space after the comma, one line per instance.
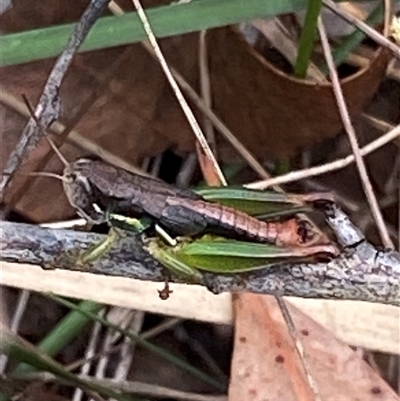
[77, 187]
[79, 191]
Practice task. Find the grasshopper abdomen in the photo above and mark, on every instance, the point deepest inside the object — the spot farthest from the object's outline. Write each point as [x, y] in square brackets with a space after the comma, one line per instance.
[190, 217]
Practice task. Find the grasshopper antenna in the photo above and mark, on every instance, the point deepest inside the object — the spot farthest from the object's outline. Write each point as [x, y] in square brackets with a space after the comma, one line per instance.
[46, 174]
[49, 140]
[57, 151]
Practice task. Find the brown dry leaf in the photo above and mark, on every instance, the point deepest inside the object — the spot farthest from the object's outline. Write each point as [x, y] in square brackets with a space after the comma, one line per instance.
[266, 366]
[207, 169]
[273, 113]
[135, 114]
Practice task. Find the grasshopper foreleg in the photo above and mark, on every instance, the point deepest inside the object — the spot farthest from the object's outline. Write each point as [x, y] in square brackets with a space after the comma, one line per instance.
[95, 251]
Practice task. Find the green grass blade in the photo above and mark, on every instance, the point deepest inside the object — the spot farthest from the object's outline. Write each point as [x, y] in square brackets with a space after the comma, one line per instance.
[145, 344]
[68, 328]
[307, 37]
[166, 21]
[354, 40]
[25, 352]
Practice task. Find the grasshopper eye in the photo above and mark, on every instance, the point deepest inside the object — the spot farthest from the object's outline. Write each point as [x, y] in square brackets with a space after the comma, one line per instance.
[69, 177]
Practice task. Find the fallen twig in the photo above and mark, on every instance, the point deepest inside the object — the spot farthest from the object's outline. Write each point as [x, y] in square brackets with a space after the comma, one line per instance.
[361, 272]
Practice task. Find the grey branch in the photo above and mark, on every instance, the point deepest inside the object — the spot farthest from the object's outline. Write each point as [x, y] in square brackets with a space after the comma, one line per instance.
[48, 108]
[359, 273]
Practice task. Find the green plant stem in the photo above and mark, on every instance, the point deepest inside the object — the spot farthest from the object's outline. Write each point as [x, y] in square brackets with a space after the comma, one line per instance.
[306, 43]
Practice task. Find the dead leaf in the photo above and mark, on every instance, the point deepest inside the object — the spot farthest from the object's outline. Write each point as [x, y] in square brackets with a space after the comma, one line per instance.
[135, 114]
[266, 366]
[273, 113]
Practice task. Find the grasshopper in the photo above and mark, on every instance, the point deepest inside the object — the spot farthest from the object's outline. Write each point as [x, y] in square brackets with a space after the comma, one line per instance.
[95, 188]
[98, 191]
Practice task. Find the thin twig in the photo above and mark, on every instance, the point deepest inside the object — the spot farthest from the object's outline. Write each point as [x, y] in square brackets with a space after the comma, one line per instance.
[48, 108]
[122, 370]
[328, 167]
[344, 114]
[205, 88]
[362, 26]
[387, 18]
[74, 137]
[178, 93]
[89, 353]
[83, 109]
[166, 325]
[379, 124]
[131, 387]
[23, 299]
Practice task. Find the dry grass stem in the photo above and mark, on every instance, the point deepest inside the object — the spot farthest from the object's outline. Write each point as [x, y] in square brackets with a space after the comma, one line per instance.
[215, 120]
[387, 18]
[379, 124]
[89, 354]
[22, 302]
[178, 93]
[130, 387]
[221, 127]
[328, 167]
[362, 26]
[205, 89]
[344, 113]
